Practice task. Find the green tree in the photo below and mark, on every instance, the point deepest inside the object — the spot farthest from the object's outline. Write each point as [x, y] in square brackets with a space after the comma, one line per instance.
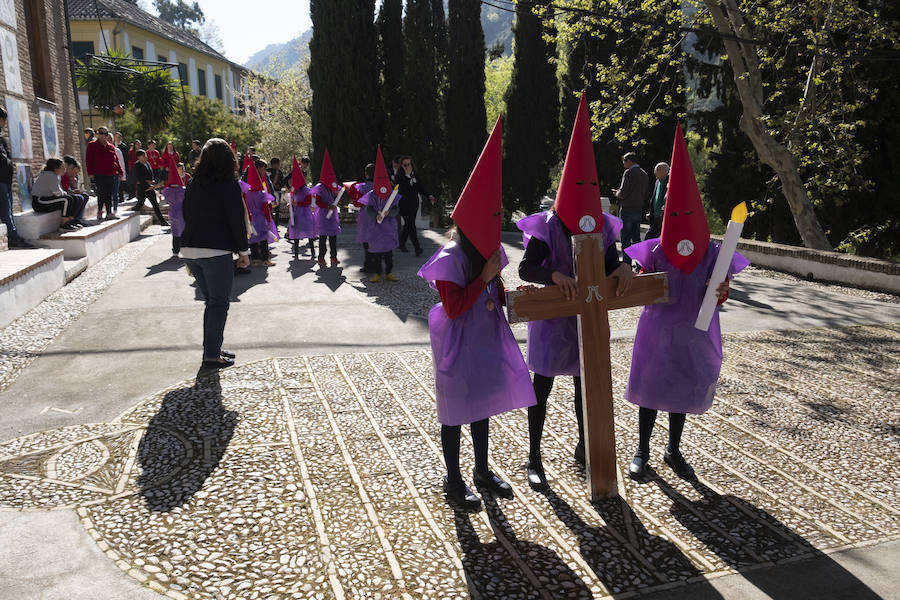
[466, 119]
[180, 13]
[423, 133]
[497, 75]
[531, 136]
[390, 58]
[343, 75]
[284, 124]
[155, 97]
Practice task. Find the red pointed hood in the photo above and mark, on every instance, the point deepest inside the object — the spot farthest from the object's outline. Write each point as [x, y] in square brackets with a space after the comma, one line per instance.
[174, 179]
[478, 212]
[685, 232]
[297, 179]
[253, 178]
[381, 182]
[326, 176]
[578, 202]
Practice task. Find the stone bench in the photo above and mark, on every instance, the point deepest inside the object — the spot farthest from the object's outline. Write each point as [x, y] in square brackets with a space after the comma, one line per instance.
[96, 241]
[34, 225]
[26, 278]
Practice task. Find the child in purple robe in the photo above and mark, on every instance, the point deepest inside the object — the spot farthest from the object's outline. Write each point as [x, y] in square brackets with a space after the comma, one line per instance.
[302, 221]
[259, 204]
[674, 366]
[357, 192]
[478, 368]
[174, 196]
[553, 347]
[327, 211]
[381, 232]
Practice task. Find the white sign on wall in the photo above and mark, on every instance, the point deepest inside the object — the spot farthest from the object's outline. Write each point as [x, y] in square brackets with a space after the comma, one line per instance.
[9, 49]
[8, 12]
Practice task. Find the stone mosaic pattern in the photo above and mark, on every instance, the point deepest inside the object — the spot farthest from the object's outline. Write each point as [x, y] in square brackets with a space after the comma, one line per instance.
[319, 477]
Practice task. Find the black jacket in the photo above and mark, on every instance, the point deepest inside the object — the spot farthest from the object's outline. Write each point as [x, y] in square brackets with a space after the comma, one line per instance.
[409, 188]
[214, 216]
[6, 166]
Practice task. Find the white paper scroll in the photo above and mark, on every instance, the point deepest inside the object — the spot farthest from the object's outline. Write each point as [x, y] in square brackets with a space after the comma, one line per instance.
[720, 270]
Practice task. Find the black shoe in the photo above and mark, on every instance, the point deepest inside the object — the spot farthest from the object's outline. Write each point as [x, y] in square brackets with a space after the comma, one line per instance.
[221, 363]
[676, 461]
[638, 467]
[418, 252]
[579, 454]
[534, 471]
[403, 249]
[20, 243]
[460, 495]
[81, 222]
[492, 484]
[242, 271]
[227, 354]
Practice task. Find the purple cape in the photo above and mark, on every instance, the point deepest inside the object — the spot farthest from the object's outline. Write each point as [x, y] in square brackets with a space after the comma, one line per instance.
[304, 220]
[478, 367]
[675, 367]
[325, 225]
[363, 220]
[553, 343]
[265, 229]
[384, 236]
[175, 199]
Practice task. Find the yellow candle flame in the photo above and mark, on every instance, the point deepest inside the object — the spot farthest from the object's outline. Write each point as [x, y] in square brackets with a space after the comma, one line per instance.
[739, 213]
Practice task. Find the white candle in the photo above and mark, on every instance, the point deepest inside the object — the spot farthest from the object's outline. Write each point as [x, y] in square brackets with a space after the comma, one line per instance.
[331, 210]
[387, 205]
[720, 270]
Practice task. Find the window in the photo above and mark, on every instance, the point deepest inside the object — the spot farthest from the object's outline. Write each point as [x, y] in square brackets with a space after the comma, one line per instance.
[182, 74]
[38, 49]
[218, 79]
[137, 53]
[201, 81]
[80, 49]
[161, 58]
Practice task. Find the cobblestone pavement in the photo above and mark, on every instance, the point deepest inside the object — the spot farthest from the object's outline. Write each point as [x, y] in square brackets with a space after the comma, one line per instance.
[319, 477]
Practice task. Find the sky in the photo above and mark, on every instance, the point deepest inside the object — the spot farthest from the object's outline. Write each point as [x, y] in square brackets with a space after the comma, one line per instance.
[248, 27]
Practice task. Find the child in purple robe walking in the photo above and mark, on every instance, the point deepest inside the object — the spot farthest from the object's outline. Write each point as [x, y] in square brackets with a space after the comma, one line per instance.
[301, 220]
[674, 366]
[381, 232]
[357, 192]
[478, 368]
[327, 212]
[553, 347]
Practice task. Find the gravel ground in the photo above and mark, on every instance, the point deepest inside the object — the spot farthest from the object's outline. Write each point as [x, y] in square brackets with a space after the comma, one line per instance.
[320, 477]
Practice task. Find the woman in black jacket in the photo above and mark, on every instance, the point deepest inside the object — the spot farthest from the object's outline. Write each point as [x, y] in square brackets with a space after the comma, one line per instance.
[214, 230]
[409, 188]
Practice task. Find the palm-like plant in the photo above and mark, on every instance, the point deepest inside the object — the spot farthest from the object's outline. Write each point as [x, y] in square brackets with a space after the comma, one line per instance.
[155, 95]
[106, 82]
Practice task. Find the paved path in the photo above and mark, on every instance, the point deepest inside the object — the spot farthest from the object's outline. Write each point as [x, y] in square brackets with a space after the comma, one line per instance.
[318, 476]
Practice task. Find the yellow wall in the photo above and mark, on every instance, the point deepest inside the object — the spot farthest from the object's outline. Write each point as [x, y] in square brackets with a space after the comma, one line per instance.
[124, 36]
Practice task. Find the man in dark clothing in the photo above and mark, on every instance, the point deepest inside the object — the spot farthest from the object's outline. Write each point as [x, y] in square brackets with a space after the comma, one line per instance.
[409, 189]
[144, 186]
[658, 200]
[632, 195]
[194, 154]
[102, 165]
[6, 199]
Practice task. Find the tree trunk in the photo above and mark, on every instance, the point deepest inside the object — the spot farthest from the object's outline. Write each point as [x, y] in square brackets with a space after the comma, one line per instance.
[744, 64]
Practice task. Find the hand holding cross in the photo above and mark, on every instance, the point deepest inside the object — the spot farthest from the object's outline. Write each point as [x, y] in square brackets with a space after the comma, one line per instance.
[595, 297]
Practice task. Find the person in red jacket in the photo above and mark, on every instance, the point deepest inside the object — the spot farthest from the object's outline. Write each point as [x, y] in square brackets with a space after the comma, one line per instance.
[168, 154]
[102, 167]
[154, 158]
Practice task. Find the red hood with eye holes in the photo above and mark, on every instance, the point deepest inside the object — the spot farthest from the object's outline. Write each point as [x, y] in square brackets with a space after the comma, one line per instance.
[685, 232]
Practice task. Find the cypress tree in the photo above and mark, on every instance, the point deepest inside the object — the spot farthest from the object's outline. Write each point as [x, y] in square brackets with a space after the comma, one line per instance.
[390, 58]
[466, 126]
[343, 75]
[422, 135]
[530, 147]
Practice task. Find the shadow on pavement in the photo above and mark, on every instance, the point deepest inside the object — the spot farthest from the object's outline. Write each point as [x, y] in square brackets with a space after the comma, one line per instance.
[173, 263]
[184, 443]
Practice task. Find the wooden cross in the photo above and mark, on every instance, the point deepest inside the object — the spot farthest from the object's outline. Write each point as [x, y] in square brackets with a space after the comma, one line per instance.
[595, 298]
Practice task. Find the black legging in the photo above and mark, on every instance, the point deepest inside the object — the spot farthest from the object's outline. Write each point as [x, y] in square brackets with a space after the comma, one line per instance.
[332, 243]
[537, 414]
[646, 419]
[450, 435]
[408, 230]
[151, 196]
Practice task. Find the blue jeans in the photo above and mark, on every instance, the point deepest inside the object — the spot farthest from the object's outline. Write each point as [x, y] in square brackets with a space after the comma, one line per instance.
[214, 278]
[6, 211]
[631, 232]
[115, 193]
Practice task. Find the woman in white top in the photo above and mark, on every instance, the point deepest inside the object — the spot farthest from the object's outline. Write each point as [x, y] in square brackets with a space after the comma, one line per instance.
[48, 196]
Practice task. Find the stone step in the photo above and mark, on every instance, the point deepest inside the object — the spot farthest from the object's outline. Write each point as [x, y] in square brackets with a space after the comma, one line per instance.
[96, 241]
[26, 278]
[75, 267]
